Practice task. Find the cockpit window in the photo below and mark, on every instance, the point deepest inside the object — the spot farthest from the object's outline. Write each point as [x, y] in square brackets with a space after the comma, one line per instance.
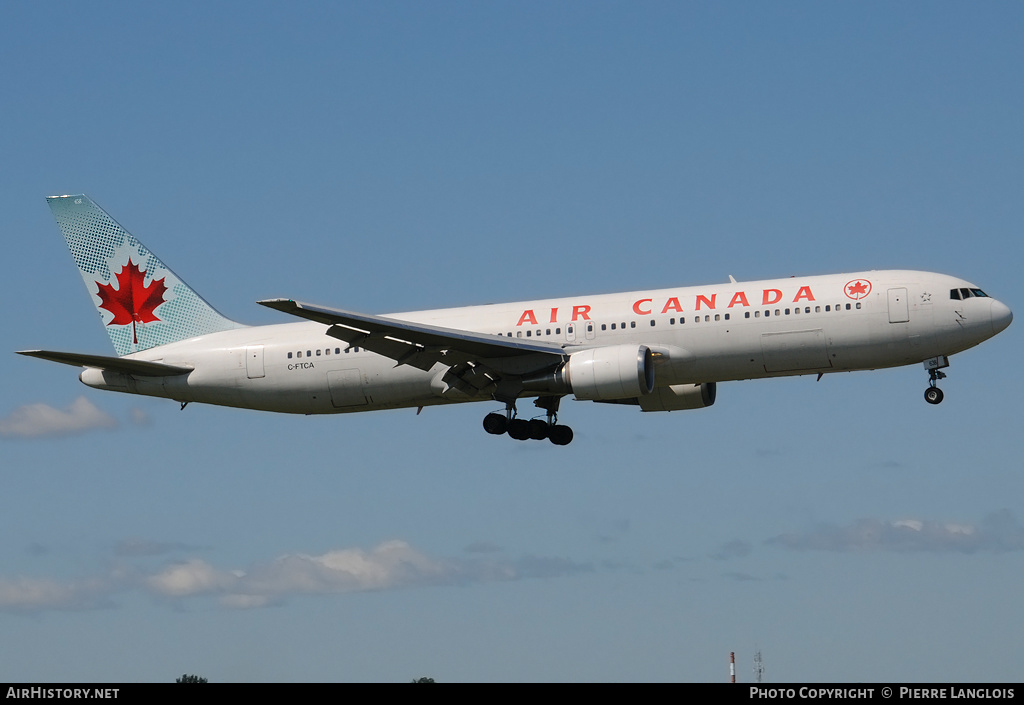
[954, 294]
[979, 292]
[966, 293]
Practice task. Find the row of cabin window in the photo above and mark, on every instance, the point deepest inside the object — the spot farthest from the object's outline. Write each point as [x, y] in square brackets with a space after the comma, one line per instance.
[806, 309]
[697, 319]
[327, 351]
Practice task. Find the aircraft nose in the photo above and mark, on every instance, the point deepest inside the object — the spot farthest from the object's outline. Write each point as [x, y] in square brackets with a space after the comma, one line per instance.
[1001, 316]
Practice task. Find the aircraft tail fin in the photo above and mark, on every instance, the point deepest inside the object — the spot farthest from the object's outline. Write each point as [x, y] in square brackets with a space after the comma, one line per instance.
[141, 302]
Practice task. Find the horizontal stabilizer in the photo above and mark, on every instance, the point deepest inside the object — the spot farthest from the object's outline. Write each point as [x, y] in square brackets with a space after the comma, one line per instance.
[114, 364]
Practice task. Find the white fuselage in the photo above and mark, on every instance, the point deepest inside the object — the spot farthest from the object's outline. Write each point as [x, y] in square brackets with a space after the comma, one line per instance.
[714, 333]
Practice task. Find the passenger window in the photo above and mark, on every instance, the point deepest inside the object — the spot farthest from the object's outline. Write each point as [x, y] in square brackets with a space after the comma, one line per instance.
[289, 356]
[776, 312]
[671, 321]
[337, 351]
[318, 353]
[858, 304]
[746, 314]
[300, 353]
[807, 309]
[632, 324]
[847, 307]
[727, 316]
[528, 333]
[613, 326]
[558, 331]
[707, 319]
[652, 323]
[757, 314]
[519, 334]
[718, 317]
[787, 311]
[547, 331]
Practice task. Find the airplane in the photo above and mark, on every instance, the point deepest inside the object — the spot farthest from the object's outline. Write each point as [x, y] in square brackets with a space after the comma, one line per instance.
[657, 350]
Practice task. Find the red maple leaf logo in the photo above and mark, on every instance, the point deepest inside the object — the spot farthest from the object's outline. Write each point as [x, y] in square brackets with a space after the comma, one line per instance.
[858, 288]
[132, 301]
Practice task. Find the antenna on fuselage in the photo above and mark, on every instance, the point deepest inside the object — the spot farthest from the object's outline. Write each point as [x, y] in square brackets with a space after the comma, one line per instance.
[732, 279]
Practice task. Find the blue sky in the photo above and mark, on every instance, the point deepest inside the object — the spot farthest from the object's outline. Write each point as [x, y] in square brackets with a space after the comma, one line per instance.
[391, 156]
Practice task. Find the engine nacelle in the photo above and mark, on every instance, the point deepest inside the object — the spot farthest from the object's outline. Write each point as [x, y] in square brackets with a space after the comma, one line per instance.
[615, 372]
[679, 397]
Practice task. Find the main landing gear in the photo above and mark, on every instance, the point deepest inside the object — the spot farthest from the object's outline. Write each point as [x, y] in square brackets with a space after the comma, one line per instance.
[933, 395]
[535, 429]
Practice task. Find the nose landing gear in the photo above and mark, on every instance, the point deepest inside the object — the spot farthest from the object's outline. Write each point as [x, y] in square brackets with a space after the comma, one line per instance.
[933, 395]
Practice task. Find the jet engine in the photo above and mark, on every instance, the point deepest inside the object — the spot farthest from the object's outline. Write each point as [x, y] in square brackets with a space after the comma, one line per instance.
[600, 374]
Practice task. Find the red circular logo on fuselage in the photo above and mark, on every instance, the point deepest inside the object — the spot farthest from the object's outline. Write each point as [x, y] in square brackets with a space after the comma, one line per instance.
[857, 289]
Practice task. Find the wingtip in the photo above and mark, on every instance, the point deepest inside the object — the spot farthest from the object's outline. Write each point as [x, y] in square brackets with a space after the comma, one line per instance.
[277, 303]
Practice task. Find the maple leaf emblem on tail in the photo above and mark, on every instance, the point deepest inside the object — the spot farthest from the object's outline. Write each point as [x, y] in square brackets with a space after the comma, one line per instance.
[132, 301]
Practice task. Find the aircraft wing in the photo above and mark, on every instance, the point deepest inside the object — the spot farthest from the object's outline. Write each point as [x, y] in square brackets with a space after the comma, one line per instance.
[115, 364]
[415, 344]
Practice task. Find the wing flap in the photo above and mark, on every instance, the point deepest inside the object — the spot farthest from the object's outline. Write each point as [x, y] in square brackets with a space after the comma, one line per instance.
[129, 366]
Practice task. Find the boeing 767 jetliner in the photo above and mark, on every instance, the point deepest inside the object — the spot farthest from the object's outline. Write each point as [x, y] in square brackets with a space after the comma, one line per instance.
[661, 350]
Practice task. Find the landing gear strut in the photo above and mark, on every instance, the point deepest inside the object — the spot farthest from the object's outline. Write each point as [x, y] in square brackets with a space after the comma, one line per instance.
[933, 395]
[534, 429]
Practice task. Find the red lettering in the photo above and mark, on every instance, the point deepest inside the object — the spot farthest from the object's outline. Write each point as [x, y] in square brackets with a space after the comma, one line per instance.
[804, 293]
[528, 317]
[738, 298]
[554, 315]
[774, 300]
[580, 312]
[636, 307]
[709, 303]
[672, 305]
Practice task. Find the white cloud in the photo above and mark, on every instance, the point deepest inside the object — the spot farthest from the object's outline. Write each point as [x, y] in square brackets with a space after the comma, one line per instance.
[194, 577]
[36, 420]
[390, 565]
[997, 533]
